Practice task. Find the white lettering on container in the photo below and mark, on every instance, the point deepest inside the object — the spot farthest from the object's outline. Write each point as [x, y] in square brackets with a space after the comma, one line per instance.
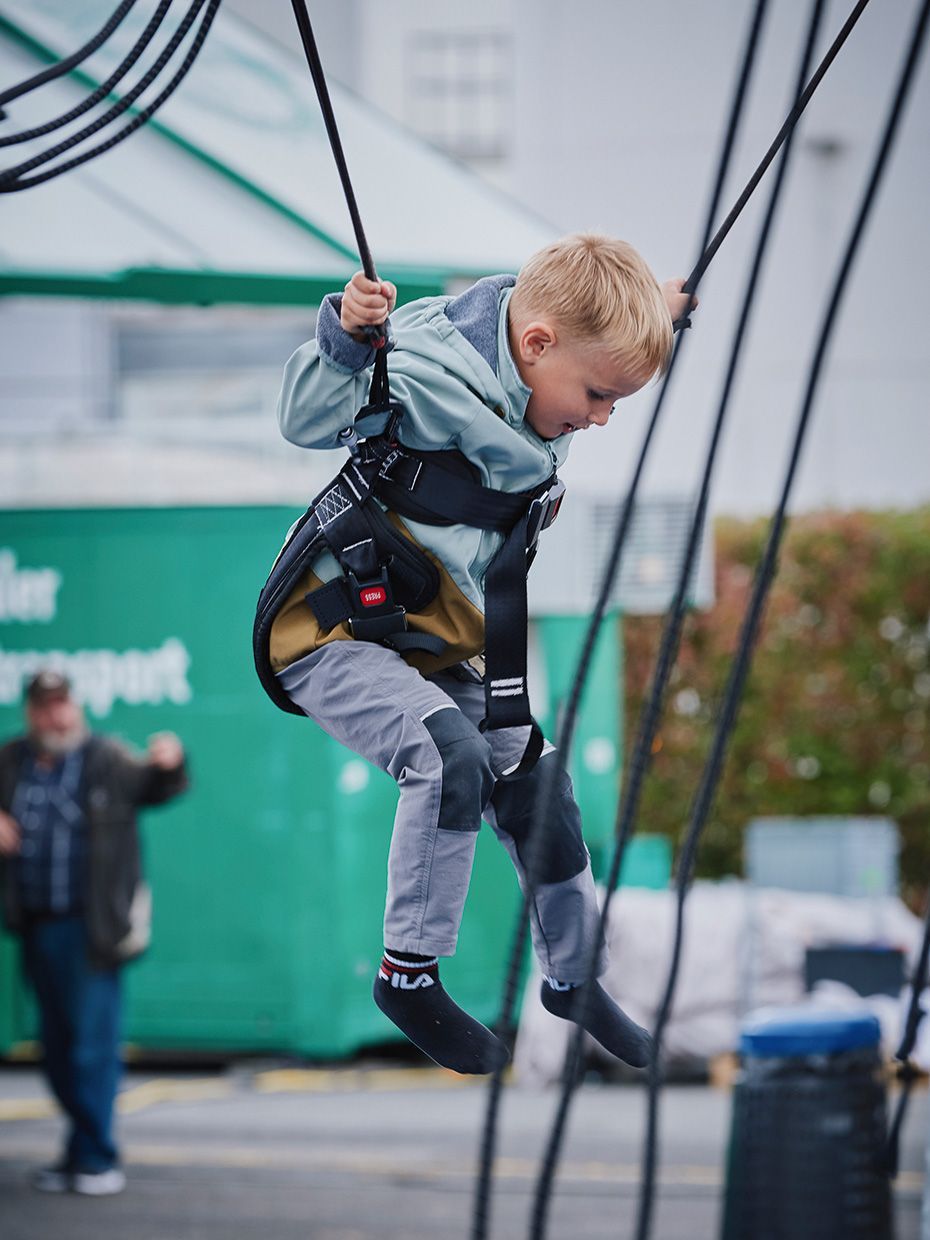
[27, 595]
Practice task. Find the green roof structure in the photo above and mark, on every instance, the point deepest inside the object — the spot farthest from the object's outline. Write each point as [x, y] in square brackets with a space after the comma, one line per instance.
[230, 193]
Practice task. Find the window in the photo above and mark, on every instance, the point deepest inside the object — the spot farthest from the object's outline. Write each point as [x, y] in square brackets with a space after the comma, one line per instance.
[458, 91]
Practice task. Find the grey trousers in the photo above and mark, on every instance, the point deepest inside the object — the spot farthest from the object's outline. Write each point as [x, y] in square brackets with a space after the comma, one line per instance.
[423, 731]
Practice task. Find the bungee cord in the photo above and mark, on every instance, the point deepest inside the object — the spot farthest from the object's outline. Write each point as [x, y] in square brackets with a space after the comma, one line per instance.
[100, 92]
[70, 62]
[332, 131]
[12, 179]
[790, 121]
[312, 56]
[505, 1026]
[735, 687]
[765, 572]
[671, 635]
[907, 1073]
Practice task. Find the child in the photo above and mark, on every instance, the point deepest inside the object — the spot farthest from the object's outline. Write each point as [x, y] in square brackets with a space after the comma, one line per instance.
[501, 376]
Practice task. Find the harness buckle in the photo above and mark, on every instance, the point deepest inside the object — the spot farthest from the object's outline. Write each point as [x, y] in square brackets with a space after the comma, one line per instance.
[376, 615]
[544, 510]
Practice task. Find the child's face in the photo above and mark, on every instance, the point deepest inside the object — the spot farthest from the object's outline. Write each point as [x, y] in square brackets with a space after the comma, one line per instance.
[574, 385]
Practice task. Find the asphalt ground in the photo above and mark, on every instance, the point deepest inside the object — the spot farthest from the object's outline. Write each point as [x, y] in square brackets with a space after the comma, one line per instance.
[376, 1151]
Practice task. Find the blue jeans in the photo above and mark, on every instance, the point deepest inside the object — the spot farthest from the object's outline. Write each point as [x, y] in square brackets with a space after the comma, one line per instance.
[79, 1007]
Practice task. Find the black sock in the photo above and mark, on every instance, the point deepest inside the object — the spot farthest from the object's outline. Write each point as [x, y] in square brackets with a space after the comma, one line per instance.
[592, 1007]
[408, 991]
[408, 969]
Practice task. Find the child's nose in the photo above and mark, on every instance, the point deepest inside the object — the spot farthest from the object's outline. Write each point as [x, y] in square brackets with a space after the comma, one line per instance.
[599, 417]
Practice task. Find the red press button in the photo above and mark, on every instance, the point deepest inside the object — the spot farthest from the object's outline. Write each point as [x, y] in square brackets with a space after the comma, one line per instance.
[373, 596]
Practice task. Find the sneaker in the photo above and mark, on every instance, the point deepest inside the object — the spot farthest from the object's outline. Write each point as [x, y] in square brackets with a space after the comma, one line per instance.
[99, 1183]
[52, 1180]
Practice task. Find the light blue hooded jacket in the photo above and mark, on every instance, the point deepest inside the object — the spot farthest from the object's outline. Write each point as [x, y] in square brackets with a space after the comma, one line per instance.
[452, 370]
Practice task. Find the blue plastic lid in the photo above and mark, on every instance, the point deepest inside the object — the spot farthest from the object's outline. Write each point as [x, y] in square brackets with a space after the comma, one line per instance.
[801, 1031]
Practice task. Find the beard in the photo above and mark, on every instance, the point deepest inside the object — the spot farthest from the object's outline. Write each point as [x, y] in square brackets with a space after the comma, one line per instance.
[60, 744]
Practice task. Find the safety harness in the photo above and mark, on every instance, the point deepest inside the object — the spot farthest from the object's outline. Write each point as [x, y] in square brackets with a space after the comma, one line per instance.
[385, 576]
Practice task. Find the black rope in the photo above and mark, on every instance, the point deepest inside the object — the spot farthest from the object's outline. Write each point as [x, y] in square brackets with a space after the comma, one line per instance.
[906, 1072]
[668, 650]
[538, 839]
[690, 286]
[329, 119]
[648, 724]
[70, 62]
[12, 179]
[672, 634]
[505, 1026]
[102, 90]
[790, 121]
[377, 335]
[766, 571]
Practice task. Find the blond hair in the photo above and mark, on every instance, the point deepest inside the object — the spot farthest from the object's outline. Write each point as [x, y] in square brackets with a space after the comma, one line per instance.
[599, 291]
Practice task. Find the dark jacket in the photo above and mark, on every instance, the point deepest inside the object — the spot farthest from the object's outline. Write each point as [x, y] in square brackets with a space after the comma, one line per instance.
[115, 784]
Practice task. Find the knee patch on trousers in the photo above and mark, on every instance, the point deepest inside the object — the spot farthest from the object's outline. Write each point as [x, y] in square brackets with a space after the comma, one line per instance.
[467, 777]
[565, 854]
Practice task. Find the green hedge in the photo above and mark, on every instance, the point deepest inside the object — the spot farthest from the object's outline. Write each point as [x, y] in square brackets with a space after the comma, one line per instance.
[834, 719]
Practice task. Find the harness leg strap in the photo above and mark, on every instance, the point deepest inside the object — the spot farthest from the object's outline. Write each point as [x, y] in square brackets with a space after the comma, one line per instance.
[507, 702]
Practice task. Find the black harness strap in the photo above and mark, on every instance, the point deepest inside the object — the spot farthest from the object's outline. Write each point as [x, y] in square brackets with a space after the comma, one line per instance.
[416, 486]
[366, 548]
[298, 553]
[409, 484]
[385, 576]
[413, 486]
[506, 697]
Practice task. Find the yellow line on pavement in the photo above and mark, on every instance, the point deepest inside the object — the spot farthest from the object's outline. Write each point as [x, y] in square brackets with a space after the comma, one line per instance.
[361, 1162]
[150, 1093]
[26, 1108]
[138, 1098]
[280, 1080]
[323, 1080]
[376, 1164]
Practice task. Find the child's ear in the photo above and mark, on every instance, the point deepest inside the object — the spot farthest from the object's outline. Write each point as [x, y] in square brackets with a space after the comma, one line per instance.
[535, 339]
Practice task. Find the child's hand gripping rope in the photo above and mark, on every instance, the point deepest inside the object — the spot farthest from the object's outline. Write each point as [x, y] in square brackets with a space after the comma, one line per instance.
[365, 304]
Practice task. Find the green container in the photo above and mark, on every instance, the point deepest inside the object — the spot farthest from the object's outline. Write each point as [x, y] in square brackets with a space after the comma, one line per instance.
[595, 757]
[596, 752]
[269, 875]
[13, 1020]
[647, 862]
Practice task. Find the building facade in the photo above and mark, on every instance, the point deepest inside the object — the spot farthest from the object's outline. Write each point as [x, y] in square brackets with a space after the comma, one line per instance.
[608, 114]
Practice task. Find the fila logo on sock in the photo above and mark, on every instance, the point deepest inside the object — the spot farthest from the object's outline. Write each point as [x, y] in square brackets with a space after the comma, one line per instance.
[402, 981]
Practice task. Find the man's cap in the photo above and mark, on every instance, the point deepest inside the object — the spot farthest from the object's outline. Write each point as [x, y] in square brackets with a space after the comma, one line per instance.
[46, 685]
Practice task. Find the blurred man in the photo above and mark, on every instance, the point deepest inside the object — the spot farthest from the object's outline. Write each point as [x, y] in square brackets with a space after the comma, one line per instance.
[71, 887]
